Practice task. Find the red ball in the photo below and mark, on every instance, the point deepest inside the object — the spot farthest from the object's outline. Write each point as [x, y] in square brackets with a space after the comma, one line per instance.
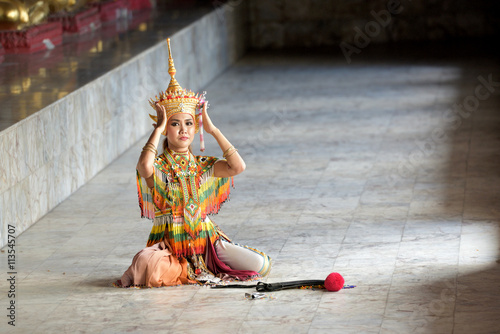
[334, 282]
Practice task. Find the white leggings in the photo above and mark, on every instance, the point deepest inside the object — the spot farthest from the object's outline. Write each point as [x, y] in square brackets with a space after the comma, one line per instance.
[242, 258]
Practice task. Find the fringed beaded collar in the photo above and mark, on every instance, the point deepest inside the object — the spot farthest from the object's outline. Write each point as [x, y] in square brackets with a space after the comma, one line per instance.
[185, 192]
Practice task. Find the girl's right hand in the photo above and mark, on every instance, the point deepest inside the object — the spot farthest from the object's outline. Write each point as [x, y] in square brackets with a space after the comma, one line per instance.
[161, 116]
[208, 126]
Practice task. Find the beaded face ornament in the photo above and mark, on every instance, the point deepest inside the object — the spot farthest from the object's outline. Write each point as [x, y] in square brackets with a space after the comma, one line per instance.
[177, 100]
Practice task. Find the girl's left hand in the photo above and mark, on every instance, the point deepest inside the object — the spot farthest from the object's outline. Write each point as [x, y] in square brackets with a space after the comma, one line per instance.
[208, 126]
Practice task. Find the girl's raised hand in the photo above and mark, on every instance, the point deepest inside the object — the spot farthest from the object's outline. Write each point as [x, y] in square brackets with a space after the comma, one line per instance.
[161, 117]
[208, 126]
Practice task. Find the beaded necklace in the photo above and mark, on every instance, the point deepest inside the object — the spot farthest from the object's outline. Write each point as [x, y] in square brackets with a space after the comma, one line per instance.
[185, 169]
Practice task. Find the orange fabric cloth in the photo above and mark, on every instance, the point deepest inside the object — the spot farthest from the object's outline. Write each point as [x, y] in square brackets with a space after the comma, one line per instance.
[155, 266]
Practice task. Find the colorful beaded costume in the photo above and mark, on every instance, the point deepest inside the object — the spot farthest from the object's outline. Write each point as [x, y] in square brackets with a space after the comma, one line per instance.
[184, 245]
[185, 192]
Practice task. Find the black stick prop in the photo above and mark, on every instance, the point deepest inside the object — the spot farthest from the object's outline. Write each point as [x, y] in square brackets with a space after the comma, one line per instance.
[333, 282]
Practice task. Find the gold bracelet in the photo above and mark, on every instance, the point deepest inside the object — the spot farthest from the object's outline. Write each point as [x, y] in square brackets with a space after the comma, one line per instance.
[150, 150]
[150, 147]
[235, 150]
[150, 144]
[226, 151]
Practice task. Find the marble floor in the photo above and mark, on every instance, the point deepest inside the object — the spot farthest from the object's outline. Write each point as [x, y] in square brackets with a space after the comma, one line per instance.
[362, 169]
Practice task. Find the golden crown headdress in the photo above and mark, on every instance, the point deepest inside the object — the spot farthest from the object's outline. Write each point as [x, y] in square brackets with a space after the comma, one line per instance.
[177, 100]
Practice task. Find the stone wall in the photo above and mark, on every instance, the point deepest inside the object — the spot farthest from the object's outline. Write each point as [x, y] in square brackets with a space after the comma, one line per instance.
[49, 155]
[312, 23]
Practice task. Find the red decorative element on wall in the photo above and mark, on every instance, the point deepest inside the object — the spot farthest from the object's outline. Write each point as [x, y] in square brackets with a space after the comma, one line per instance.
[140, 4]
[79, 23]
[2, 52]
[112, 10]
[32, 39]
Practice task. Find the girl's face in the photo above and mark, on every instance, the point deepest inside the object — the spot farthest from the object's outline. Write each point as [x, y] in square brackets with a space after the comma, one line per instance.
[180, 132]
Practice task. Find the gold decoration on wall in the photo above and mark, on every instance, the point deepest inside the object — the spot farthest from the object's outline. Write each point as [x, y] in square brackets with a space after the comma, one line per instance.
[13, 15]
[67, 5]
[17, 14]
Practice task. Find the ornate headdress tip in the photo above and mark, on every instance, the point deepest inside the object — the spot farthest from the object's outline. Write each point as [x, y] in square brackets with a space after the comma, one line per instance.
[175, 99]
